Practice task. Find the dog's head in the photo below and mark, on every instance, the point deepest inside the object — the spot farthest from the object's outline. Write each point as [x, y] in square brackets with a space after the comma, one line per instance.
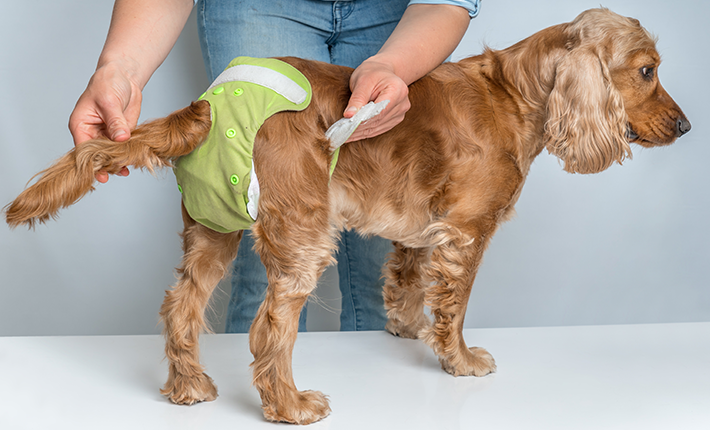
[607, 93]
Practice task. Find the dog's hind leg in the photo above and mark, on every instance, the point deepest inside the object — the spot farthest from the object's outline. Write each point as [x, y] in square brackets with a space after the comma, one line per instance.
[294, 259]
[207, 255]
[404, 291]
[294, 239]
[453, 268]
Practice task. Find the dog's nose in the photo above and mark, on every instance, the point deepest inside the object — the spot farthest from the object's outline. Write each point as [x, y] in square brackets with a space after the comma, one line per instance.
[683, 125]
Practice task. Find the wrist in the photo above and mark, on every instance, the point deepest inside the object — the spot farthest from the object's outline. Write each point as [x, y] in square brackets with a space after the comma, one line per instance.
[380, 64]
[125, 67]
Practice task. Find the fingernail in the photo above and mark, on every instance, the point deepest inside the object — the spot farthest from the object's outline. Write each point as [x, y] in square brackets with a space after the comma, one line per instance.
[118, 134]
[351, 109]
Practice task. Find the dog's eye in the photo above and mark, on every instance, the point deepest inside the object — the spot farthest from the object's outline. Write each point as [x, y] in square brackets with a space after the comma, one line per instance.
[647, 72]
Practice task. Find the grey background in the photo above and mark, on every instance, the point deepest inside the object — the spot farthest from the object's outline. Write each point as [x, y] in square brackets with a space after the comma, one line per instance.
[625, 246]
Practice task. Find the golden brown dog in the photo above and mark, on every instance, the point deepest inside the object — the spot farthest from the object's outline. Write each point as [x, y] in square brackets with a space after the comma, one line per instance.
[438, 185]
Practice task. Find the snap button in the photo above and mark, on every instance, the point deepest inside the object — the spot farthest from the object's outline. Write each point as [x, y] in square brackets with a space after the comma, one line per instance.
[218, 90]
[234, 179]
[238, 92]
[230, 133]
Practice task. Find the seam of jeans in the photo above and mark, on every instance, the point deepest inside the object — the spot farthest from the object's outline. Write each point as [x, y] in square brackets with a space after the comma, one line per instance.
[347, 272]
[341, 10]
[356, 305]
[348, 7]
[206, 47]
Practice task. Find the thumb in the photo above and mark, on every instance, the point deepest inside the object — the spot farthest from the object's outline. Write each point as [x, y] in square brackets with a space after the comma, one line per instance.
[359, 98]
[117, 127]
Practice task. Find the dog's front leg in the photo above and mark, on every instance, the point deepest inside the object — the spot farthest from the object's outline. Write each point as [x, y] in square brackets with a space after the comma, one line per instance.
[405, 284]
[207, 256]
[453, 268]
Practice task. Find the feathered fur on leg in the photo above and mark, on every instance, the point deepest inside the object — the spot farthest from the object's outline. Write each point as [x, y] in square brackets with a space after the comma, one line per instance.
[207, 257]
[405, 284]
[152, 145]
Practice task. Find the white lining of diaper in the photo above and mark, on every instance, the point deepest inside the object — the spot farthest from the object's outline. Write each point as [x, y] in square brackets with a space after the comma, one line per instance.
[253, 194]
[265, 77]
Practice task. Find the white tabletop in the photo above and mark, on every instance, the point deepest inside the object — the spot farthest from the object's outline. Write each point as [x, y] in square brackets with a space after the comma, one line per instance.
[601, 377]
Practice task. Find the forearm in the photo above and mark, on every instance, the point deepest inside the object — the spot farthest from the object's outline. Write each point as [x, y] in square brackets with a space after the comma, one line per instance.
[425, 36]
[141, 35]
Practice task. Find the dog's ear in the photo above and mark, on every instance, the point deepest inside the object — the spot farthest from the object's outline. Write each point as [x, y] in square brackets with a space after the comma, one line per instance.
[586, 121]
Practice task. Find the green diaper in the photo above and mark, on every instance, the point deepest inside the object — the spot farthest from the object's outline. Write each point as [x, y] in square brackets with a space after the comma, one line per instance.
[217, 181]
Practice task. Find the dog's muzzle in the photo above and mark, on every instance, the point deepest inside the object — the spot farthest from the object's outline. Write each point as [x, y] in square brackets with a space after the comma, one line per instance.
[631, 135]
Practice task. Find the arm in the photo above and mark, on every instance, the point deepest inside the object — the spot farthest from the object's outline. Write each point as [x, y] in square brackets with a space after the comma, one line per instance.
[140, 36]
[425, 36]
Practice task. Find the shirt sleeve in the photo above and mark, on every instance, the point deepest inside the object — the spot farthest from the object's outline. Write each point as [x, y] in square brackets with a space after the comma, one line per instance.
[472, 6]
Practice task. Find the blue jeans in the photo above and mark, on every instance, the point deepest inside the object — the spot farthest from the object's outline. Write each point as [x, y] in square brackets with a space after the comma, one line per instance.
[341, 32]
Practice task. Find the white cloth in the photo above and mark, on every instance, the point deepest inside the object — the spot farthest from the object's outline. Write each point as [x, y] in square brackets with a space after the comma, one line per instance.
[339, 132]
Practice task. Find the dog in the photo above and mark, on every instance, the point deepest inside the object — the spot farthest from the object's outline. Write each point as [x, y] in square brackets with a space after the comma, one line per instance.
[438, 185]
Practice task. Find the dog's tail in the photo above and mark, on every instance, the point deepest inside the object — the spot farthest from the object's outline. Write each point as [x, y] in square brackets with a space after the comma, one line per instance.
[152, 145]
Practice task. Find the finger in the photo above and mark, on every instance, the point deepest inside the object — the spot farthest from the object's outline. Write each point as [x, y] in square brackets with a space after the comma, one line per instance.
[372, 128]
[125, 119]
[398, 95]
[101, 176]
[81, 136]
[117, 128]
[93, 127]
[359, 98]
[381, 123]
[84, 124]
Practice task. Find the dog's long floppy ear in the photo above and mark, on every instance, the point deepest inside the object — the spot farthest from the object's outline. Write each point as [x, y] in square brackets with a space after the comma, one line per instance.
[586, 122]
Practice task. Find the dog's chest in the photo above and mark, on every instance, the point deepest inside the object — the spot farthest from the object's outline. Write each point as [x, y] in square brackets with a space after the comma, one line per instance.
[377, 216]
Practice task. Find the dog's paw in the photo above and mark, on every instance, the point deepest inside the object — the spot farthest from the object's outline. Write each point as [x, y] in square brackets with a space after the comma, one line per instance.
[401, 330]
[304, 407]
[473, 362]
[184, 390]
[409, 331]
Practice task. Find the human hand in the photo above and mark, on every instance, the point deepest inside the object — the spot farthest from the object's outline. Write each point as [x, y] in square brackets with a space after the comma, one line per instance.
[376, 81]
[110, 107]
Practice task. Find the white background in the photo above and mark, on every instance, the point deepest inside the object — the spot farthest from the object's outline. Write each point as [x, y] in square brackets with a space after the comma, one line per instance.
[625, 246]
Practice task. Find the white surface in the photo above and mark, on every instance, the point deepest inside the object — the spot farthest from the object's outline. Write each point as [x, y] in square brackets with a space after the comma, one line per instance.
[594, 377]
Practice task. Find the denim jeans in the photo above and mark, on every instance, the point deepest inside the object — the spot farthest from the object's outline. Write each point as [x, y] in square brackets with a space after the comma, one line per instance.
[341, 32]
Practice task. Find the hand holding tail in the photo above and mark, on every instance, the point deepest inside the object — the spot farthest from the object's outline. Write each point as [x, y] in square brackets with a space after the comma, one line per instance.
[153, 145]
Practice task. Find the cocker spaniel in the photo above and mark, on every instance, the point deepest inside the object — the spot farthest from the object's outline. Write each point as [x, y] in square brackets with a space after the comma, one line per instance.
[438, 185]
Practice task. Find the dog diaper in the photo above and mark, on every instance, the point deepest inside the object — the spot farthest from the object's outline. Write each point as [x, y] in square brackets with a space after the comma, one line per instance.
[218, 181]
